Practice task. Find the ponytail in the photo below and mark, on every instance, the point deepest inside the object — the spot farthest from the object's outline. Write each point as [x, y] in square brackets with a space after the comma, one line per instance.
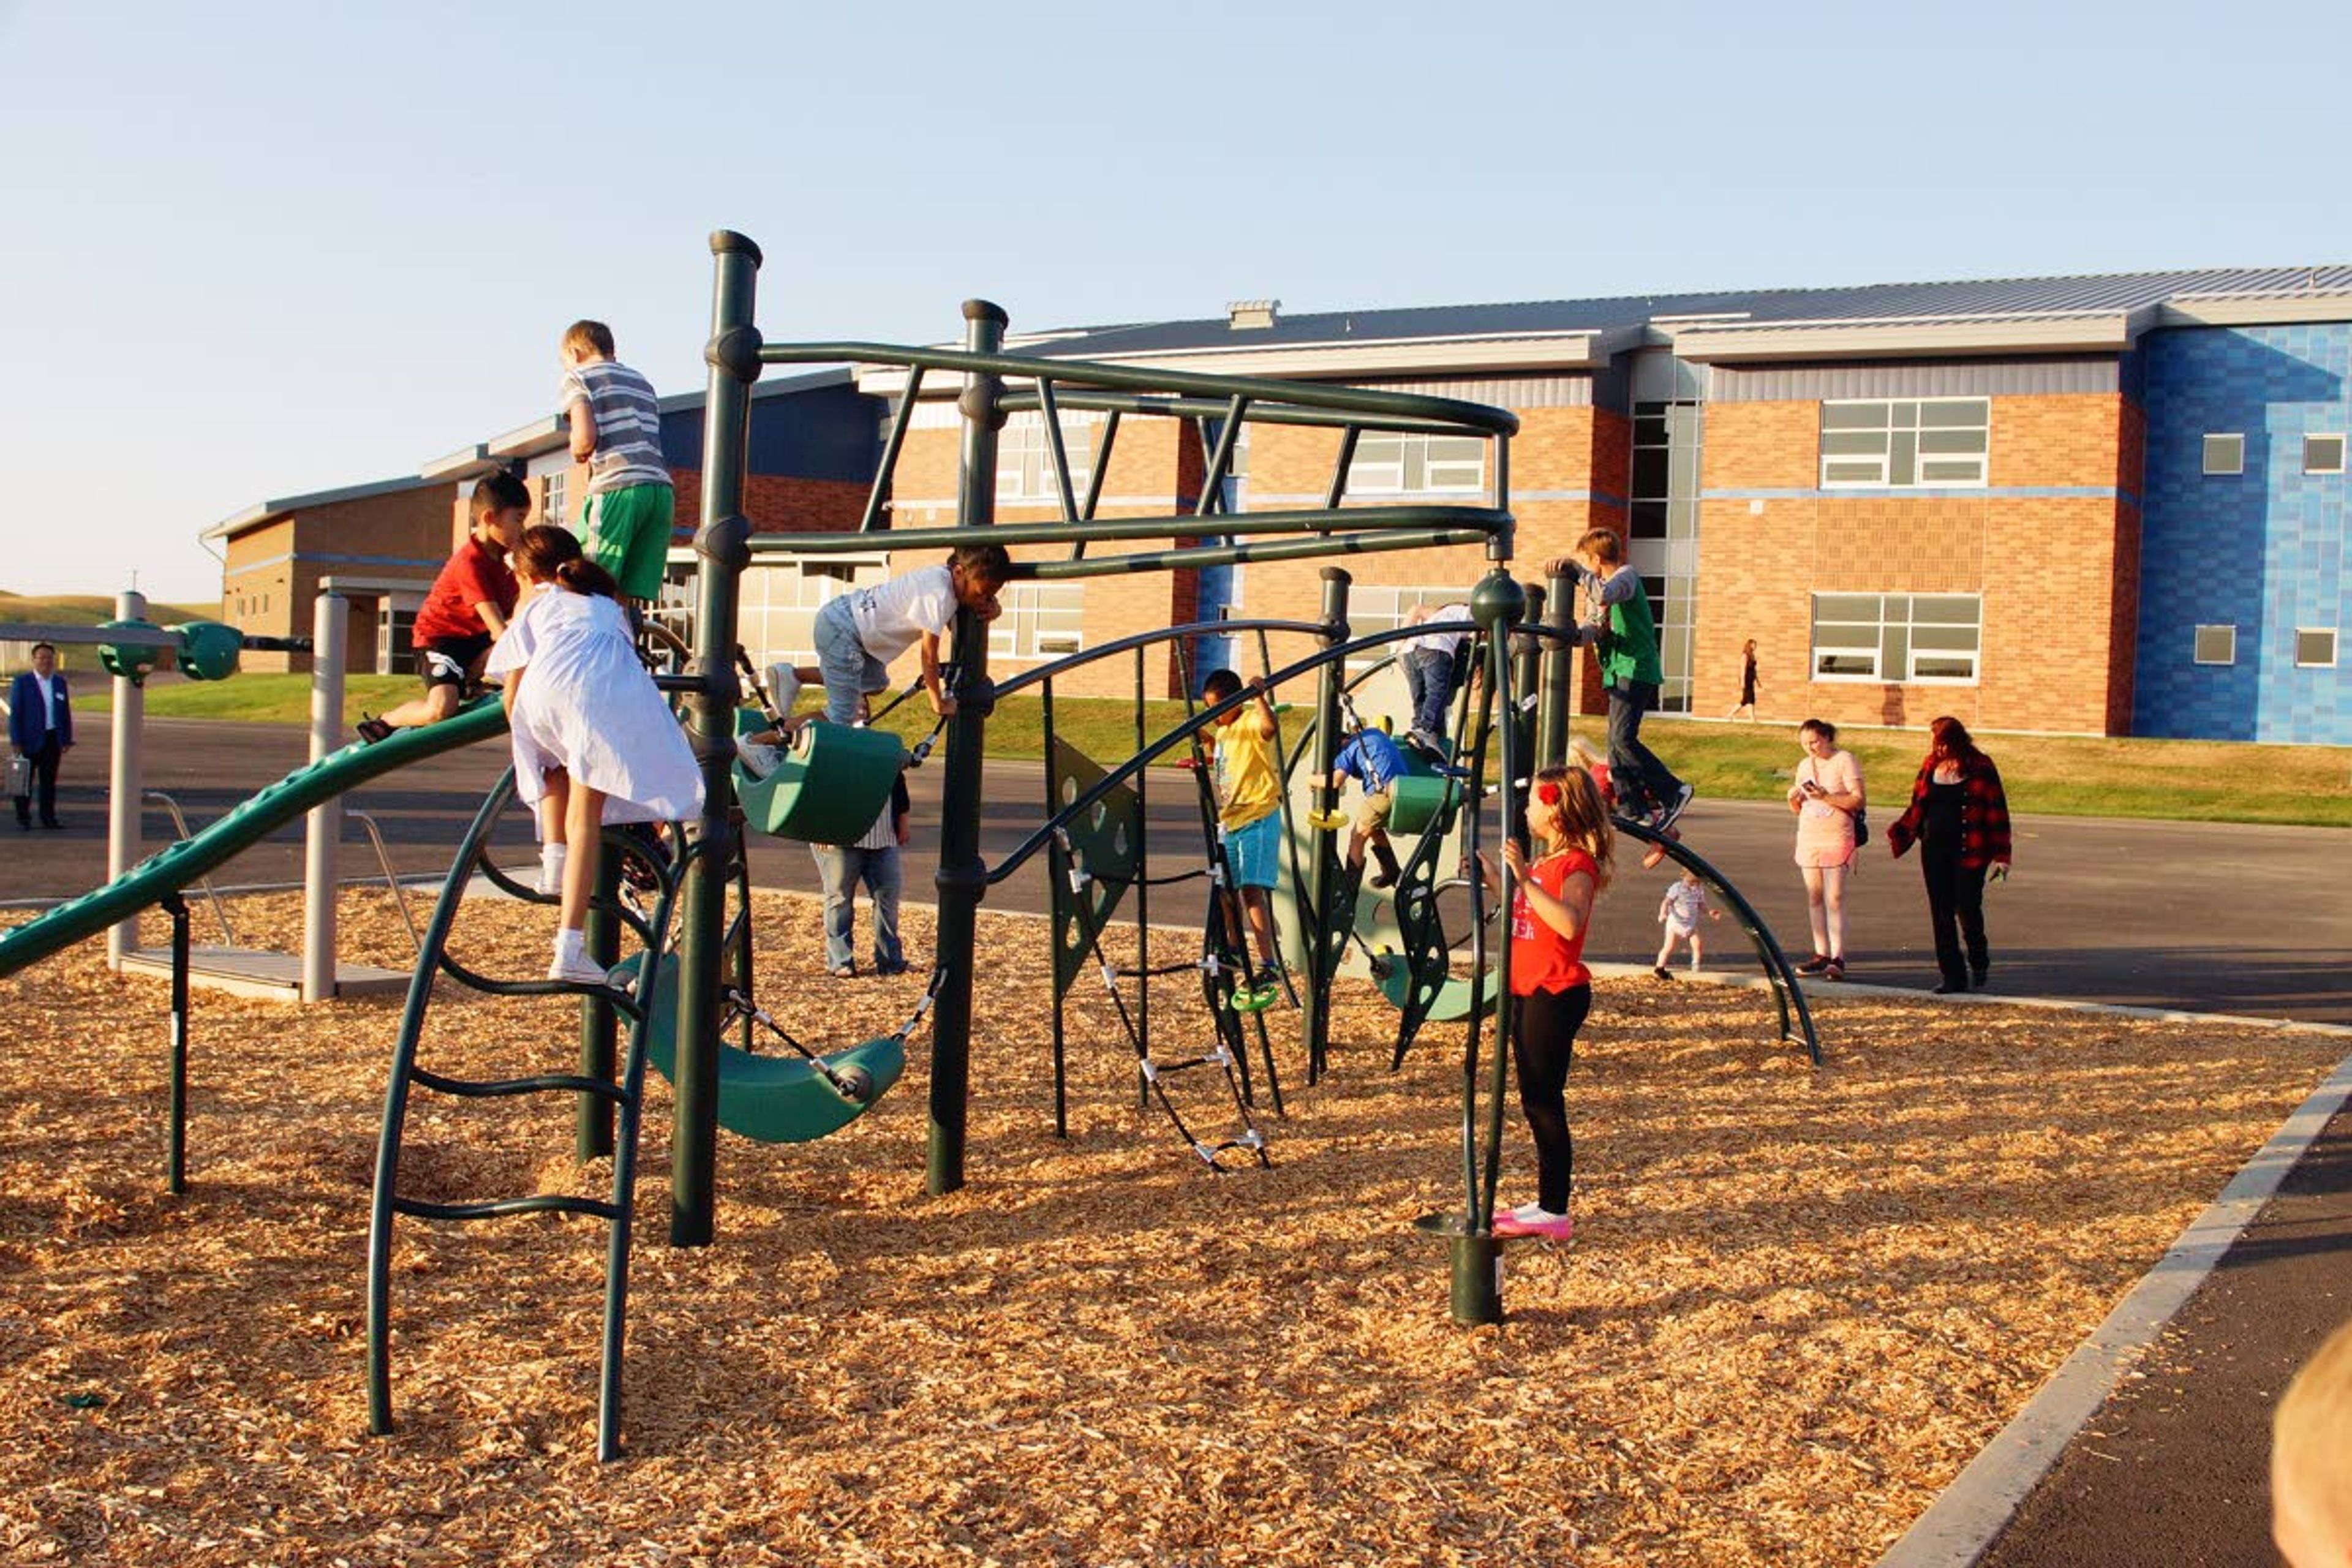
[583, 576]
[550, 553]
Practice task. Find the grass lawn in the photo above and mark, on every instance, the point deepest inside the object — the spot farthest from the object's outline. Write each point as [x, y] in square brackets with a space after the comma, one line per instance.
[88, 610]
[2046, 774]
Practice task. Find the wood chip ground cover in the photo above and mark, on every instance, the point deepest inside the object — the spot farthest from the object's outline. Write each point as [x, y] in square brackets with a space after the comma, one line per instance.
[1797, 1302]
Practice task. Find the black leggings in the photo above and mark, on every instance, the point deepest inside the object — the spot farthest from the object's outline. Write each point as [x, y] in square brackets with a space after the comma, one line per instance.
[1543, 1040]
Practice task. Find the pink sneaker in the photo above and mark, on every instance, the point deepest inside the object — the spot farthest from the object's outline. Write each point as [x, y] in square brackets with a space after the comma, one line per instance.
[1529, 1220]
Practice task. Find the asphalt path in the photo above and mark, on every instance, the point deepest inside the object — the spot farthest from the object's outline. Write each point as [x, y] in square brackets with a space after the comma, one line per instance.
[2192, 916]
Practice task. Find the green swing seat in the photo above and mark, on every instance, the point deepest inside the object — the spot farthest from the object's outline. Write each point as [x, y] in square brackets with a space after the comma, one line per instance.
[1452, 1003]
[833, 782]
[776, 1098]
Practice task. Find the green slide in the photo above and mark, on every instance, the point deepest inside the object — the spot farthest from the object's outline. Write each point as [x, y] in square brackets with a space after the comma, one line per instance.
[252, 820]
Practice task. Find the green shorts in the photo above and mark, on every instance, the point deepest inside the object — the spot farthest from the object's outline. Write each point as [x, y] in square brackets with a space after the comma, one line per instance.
[627, 531]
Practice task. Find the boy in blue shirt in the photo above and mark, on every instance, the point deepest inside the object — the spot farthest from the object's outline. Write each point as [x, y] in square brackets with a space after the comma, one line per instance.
[1372, 760]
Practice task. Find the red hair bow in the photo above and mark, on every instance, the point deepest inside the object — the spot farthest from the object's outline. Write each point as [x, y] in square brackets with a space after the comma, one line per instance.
[1547, 793]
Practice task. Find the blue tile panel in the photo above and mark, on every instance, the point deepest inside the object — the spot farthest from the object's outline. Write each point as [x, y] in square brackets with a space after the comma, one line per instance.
[2263, 550]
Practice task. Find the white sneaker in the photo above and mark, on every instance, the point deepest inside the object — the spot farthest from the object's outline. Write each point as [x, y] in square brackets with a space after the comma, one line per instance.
[580, 971]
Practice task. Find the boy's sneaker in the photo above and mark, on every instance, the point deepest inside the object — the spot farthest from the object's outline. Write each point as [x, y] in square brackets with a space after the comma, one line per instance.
[1663, 972]
[1668, 815]
[577, 971]
[1814, 965]
[372, 729]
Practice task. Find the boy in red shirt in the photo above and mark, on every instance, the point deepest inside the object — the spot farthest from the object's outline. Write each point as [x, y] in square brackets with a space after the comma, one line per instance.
[465, 610]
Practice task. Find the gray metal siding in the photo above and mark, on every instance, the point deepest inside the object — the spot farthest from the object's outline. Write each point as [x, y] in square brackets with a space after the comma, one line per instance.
[1502, 392]
[1950, 378]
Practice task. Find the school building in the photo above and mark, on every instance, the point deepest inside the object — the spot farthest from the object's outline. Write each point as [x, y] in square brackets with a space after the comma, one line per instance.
[2100, 505]
[2108, 505]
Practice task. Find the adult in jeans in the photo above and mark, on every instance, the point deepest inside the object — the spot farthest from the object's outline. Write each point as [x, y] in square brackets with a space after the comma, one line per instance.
[873, 862]
[1959, 818]
[1433, 670]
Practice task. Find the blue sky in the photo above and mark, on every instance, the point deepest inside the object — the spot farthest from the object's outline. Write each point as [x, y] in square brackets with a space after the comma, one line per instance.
[254, 249]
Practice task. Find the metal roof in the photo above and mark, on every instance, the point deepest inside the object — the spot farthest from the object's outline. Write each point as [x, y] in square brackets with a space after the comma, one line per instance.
[263, 511]
[1989, 300]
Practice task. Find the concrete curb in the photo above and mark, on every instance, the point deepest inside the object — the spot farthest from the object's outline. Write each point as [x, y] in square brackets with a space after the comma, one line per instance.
[1962, 1523]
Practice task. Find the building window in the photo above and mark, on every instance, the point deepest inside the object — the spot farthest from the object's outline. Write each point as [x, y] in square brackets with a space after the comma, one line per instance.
[1906, 443]
[2323, 454]
[2225, 454]
[2315, 647]
[550, 500]
[1416, 464]
[1381, 609]
[2215, 644]
[1929, 639]
[1024, 460]
[777, 618]
[1040, 620]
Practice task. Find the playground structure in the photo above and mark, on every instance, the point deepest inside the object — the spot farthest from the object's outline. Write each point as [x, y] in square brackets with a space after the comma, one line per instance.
[682, 999]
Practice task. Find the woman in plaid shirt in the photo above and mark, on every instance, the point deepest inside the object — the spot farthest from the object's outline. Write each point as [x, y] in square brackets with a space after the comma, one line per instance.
[1959, 818]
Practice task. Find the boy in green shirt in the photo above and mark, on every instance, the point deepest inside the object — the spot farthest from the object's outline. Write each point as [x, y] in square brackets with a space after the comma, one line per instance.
[1625, 639]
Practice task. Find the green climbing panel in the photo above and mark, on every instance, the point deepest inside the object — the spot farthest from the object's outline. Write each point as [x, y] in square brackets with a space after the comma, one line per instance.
[834, 781]
[1109, 843]
[777, 1098]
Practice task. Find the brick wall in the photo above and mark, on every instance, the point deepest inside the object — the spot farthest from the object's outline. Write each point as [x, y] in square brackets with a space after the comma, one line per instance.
[2057, 572]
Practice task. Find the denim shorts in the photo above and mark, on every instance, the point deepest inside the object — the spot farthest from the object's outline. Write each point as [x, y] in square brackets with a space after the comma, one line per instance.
[849, 671]
[1254, 852]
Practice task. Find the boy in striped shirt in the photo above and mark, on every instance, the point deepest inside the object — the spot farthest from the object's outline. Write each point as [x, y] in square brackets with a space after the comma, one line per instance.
[616, 431]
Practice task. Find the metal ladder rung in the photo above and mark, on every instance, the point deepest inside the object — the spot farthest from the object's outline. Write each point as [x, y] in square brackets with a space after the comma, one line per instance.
[492, 1088]
[543, 1203]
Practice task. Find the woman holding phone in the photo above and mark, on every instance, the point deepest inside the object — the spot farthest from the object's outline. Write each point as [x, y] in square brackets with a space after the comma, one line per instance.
[1826, 796]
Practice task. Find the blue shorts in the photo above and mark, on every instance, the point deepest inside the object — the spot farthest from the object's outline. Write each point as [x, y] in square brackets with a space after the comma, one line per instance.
[1253, 854]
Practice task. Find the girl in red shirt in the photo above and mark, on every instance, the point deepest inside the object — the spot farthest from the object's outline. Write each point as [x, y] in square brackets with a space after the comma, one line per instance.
[1551, 988]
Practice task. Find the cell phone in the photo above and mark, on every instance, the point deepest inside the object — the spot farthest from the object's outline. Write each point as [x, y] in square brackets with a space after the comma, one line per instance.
[1810, 787]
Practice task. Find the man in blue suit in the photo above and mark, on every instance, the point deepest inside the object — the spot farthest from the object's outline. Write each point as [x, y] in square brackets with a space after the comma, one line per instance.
[40, 730]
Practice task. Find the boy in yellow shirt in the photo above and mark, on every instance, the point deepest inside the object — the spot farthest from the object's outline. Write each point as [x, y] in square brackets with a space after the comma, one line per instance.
[1249, 820]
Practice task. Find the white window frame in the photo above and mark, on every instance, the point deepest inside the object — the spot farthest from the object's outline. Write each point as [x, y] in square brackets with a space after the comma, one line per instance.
[1409, 463]
[2322, 435]
[1380, 608]
[1867, 641]
[2197, 637]
[2333, 648]
[551, 499]
[1024, 459]
[1875, 471]
[1040, 621]
[2237, 458]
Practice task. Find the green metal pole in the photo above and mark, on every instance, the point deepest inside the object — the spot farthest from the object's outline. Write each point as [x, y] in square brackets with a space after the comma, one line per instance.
[591, 1115]
[733, 354]
[1559, 672]
[1527, 664]
[1323, 875]
[962, 877]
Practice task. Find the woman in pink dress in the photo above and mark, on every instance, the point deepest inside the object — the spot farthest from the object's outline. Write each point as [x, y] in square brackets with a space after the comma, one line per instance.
[1826, 798]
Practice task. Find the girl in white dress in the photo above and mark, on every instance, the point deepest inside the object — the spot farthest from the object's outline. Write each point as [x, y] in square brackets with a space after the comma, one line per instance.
[593, 742]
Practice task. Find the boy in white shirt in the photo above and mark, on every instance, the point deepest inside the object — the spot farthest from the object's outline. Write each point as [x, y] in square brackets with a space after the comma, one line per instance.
[858, 634]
